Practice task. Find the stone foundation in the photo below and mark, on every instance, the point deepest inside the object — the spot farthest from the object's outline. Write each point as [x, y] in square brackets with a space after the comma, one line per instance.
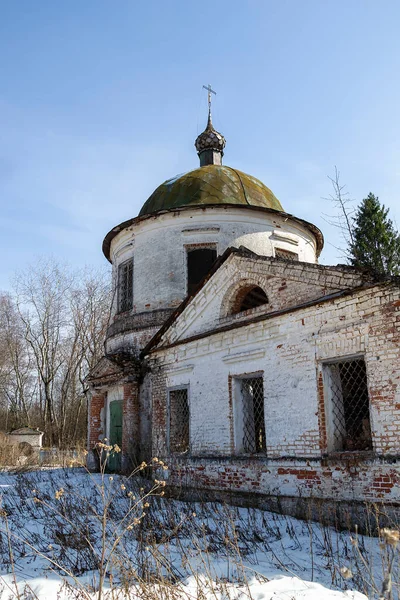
[365, 517]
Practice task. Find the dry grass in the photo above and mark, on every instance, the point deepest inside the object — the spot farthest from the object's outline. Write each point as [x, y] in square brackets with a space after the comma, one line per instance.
[136, 544]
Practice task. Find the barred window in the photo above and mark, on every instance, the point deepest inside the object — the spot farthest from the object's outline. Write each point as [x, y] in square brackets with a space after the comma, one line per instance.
[199, 262]
[178, 420]
[347, 405]
[286, 254]
[125, 285]
[249, 415]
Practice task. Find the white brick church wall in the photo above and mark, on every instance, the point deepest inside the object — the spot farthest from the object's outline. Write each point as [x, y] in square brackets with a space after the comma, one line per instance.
[289, 350]
[158, 246]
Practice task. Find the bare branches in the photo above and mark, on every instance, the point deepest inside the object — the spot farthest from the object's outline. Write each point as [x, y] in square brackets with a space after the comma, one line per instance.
[51, 335]
[343, 218]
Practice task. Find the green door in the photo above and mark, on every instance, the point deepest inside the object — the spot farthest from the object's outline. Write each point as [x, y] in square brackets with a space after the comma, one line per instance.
[114, 459]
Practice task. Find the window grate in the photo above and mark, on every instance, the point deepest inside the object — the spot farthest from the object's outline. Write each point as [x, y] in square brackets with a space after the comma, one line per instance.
[286, 254]
[348, 391]
[125, 286]
[252, 391]
[179, 418]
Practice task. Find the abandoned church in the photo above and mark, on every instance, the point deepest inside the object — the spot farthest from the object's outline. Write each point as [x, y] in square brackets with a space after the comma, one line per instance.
[255, 373]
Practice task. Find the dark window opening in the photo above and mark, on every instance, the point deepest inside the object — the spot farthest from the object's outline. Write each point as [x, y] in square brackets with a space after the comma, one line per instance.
[255, 297]
[286, 254]
[179, 419]
[249, 297]
[251, 422]
[125, 286]
[199, 262]
[348, 405]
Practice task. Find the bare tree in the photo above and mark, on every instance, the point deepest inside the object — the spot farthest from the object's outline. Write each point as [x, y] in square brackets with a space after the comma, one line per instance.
[88, 305]
[57, 336]
[345, 211]
[16, 376]
[96, 293]
[41, 300]
[5, 364]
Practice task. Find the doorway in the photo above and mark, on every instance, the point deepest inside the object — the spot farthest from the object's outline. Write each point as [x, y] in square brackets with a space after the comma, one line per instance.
[115, 433]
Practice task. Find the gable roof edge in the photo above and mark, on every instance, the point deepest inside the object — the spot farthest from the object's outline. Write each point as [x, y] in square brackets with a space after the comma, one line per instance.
[278, 313]
[245, 252]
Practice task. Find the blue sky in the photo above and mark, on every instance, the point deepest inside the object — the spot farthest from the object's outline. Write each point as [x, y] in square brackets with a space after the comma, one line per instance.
[101, 101]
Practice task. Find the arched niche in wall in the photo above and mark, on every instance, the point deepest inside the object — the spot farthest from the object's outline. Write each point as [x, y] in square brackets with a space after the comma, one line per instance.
[244, 295]
[247, 297]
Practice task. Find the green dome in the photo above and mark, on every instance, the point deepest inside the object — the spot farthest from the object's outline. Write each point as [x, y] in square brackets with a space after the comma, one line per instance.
[211, 184]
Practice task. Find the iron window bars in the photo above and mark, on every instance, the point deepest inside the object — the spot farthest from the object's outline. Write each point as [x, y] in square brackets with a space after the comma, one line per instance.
[286, 254]
[252, 392]
[179, 418]
[348, 405]
[125, 286]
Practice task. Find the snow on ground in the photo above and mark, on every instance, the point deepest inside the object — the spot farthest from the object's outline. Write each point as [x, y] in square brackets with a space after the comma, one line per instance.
[175, 550]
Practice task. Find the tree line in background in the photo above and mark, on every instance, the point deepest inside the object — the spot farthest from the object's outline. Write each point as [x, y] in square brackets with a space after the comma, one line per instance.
[371, 240]
[52, 330]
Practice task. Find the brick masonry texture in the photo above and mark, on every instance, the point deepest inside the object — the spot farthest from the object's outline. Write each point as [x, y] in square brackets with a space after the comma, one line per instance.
[206, 349]
[340, 480]
[96, 419]
[291, 350]
[129, 321]
[286, 284]
[131, 425]
[158, 247]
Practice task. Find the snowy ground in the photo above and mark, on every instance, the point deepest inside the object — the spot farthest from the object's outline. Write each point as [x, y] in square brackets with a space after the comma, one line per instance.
[176, 550]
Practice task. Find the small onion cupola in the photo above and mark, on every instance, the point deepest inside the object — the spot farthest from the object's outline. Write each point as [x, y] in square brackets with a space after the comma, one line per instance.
[210, 144]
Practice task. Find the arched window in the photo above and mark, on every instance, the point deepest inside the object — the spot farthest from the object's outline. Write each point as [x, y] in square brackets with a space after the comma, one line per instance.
[125, 286]
[249, 297]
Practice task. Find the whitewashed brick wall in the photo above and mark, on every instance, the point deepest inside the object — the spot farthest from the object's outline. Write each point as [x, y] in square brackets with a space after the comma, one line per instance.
[290, 349]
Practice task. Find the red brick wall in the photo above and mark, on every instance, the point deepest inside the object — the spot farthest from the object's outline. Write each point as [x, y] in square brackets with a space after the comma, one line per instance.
[131, 424]
[321, 415]
[96, 418]
[336, 480]
[159, 398]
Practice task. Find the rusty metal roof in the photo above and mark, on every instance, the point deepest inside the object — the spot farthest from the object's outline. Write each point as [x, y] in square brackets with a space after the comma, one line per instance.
[211, 184]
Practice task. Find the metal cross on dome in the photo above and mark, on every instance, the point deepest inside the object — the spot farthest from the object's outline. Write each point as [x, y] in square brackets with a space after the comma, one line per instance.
[210, 91]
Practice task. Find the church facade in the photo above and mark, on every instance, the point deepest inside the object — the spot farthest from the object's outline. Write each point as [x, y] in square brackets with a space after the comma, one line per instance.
[256, 374]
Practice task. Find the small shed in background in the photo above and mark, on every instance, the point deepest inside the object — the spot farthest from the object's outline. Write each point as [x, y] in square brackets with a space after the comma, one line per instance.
[26, 435]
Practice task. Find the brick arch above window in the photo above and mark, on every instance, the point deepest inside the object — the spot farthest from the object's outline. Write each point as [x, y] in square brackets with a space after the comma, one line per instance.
[244, 295]
[248, 297]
